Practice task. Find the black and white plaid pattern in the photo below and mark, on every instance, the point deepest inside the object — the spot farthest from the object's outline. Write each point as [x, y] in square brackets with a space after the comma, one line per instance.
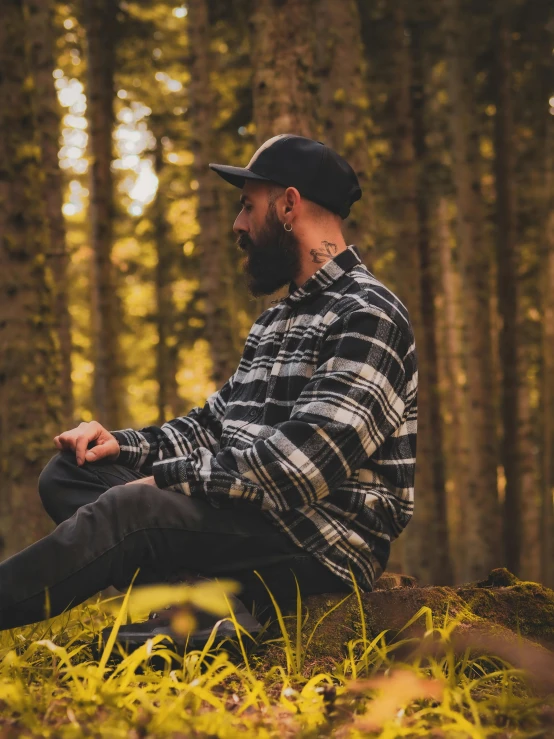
[317, 426]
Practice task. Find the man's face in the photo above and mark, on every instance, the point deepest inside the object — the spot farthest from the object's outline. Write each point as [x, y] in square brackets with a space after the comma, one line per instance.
[272, 254]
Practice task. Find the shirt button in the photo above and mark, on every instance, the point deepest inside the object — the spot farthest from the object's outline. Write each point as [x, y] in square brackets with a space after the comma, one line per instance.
[253, 412]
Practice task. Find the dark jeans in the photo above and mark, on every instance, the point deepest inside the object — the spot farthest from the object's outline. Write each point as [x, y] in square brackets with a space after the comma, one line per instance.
[106, 530]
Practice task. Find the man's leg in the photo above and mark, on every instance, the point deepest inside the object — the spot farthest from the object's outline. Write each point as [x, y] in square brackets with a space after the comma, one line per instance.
[160, 531]
[64, 486]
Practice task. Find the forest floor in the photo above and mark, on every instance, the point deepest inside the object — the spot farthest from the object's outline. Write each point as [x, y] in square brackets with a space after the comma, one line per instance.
[53, 685]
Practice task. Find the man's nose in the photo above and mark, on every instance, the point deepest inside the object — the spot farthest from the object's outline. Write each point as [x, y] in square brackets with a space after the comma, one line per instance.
[240, 225]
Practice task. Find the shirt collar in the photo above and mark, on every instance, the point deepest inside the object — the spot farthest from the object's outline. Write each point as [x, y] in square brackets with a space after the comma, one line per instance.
[328, 273]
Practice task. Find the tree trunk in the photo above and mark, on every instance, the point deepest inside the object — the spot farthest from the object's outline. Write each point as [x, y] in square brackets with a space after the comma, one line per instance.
[536, 221]
[443, 573]
[426, 542]
[40, 33]
[530, 553]
[344, 107]
[169, 404]
[213, 245]
[30, 409]
[547, 400]
[100, 24]
[454, 397]
[484, 537]
[284, 89]
[507, 290]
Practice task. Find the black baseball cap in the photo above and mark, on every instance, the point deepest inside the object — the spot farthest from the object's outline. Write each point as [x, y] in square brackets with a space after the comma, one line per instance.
[318, 173]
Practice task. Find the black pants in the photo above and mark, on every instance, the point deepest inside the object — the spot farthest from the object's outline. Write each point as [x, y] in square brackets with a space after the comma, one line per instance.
[106, 530]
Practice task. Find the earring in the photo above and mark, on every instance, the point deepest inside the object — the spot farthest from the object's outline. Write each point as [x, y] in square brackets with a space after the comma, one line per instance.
[288, 230]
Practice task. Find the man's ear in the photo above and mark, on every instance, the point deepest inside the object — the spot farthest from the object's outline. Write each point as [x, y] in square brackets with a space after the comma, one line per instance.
[292, 199]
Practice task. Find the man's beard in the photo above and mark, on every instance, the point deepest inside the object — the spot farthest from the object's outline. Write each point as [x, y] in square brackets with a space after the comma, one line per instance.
[273, 259]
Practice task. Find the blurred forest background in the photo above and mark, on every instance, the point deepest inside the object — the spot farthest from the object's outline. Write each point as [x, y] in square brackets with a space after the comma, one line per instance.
[122, 298]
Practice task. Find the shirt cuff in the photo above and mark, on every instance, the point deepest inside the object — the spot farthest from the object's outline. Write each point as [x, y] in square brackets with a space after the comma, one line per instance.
[172, 474]
[134, 447]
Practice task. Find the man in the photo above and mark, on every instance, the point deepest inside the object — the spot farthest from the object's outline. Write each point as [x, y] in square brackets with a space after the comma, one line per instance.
[301, 465]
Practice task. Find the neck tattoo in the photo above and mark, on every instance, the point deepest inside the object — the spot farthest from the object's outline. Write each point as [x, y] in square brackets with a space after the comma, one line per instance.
[326, 251]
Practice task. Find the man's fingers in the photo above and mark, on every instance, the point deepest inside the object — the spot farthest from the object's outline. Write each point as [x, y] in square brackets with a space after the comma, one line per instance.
[97, 452]
[108, 448]
[82, 443]
[64, 441]
[79, 438]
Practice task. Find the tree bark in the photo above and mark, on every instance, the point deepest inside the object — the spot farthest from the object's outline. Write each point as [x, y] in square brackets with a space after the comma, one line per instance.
[484, 537]
[507, 290]
[169, 404]
[454, 402]
[443, 573]
[426, 542]
[530, 485]
[30, 409]
[213, 245]
[284, 88]
[100, 24]
[344, 107]
[40, 33]
[547, 400]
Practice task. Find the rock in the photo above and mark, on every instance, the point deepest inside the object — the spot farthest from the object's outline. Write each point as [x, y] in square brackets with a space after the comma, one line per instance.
[390, 580]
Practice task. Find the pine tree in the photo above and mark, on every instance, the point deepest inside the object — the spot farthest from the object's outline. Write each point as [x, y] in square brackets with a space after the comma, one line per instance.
[284, 87]
[212, 242]
[484, 537]
[40, 34]
[454, 393]
[30, 410]
[169, 404]
[507, 288]
[100, 24]
[344, 110]
[426, 544]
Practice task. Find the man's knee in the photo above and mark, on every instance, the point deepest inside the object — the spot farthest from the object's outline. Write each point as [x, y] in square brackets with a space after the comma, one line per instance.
[48, 479]
[59, 470]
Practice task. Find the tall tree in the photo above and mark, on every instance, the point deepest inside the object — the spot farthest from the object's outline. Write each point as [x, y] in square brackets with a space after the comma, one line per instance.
[453, 397]
[530, 486]
[203, 135]
[40, 32]
[30, 413]
[284, 88]
[507, 289]
[100, 24]
[530, 51]
[547, 394]
[426, 546]
[167, 348]
[484, 537]
[443, 572]
[344, 108]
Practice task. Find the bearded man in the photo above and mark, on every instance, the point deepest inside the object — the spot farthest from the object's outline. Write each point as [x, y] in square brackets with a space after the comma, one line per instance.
[301, 467]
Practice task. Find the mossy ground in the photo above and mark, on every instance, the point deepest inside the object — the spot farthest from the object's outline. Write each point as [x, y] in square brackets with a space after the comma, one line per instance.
[301, 685]
[501, 602]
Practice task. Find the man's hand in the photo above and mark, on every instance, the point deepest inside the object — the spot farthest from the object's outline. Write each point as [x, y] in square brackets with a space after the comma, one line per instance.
[78, 439]
[143, 481]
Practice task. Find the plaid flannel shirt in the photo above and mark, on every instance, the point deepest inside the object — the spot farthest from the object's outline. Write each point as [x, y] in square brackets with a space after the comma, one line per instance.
[316, 427]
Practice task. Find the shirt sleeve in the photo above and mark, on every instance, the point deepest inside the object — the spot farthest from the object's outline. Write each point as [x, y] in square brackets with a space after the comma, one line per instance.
[200, 428]
[351, 404]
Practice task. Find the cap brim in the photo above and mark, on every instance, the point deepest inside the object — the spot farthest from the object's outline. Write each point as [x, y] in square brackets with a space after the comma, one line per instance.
[236, 175]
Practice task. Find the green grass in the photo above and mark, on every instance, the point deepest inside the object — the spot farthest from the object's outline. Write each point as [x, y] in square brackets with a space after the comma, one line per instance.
[50, 685]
